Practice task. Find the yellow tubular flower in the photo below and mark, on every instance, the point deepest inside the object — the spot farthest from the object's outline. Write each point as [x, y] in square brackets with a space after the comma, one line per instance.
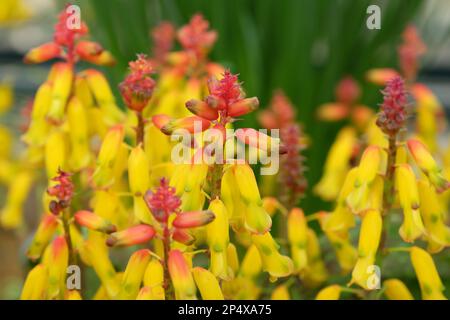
[298, 234]
[154, 274]
[217, 238]
[246, 183]
[6, 97]
[104, 173]
[345, 252]
[42, 237]
[38, 129]
[430, 283]
[232, 258]
[55, 153]
[181, 276]
[193, 197]
[408, 196]
[367, 171]
[62, 85]
[36, 284]
[316, 272]
[139, 180]
[207, 284]
[273, 262]
[369, 239]
[82, 92]
[151, 293]
[57, 261]
[332, 292]
[342, 219]
[251, 265]
[396, 290]
[134, 273]
[428, 110]
[72, 295]
[11, 215]
[78, 133]
[427, 164]
[336, 165]
[5, 142]
[104, 96]
[437, 233]
[281, 292]
[230, 196]
[103, 267]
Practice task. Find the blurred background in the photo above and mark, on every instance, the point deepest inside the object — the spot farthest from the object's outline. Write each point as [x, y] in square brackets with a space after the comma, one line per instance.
[301, 46]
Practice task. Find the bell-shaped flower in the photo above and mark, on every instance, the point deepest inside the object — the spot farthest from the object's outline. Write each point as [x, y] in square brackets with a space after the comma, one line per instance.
[427, 164]
[207, 284]
[394, 289]
[430, 283]
[408, 196]
[217, 237]
[297, 229]
[134, 274]
[43, 235]
[273, 262]
[369, 239]
[36, 284]
[433, 214]
[332, 292]
[181, 276]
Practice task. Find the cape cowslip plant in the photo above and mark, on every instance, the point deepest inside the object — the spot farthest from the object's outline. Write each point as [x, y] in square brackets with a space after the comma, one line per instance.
[383, 180]
[232, 188]
[429, 115]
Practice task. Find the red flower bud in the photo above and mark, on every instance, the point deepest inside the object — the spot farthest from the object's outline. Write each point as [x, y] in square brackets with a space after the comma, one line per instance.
[43, 53]
[202, 109]
[193, 219]
[131, 236]
[242, 107]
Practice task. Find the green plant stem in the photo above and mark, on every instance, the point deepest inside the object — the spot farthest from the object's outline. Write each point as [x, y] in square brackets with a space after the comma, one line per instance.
[66, 226]
[168, 287]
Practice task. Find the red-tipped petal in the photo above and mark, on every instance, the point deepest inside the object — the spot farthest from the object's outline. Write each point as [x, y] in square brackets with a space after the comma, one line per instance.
[201, 109]
[43, 53]
[183, 236]
[193, 219]
[243, 107]
[92, 221]
[192, 124]
[131, 236]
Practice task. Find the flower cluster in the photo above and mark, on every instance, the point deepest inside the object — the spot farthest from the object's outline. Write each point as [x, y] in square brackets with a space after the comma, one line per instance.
[206, 229]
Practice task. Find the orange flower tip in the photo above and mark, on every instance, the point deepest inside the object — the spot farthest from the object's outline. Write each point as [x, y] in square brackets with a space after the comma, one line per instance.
[105, 58]
[58, 244]
[87, 49]
[193, 219]
[43, 53]
[131, 236]
[161, 120]
[347, 90]
[333, 111]
[243, 107]
[183, 236]
[202, 109]
[381, 76]
[92, 221]
[190, 124]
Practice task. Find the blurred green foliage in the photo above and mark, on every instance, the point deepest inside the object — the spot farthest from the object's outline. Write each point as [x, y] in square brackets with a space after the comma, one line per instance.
[301, 46]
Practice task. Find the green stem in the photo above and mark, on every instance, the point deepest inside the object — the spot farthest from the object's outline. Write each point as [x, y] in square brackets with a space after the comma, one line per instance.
[168, 287]
[66, 226]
